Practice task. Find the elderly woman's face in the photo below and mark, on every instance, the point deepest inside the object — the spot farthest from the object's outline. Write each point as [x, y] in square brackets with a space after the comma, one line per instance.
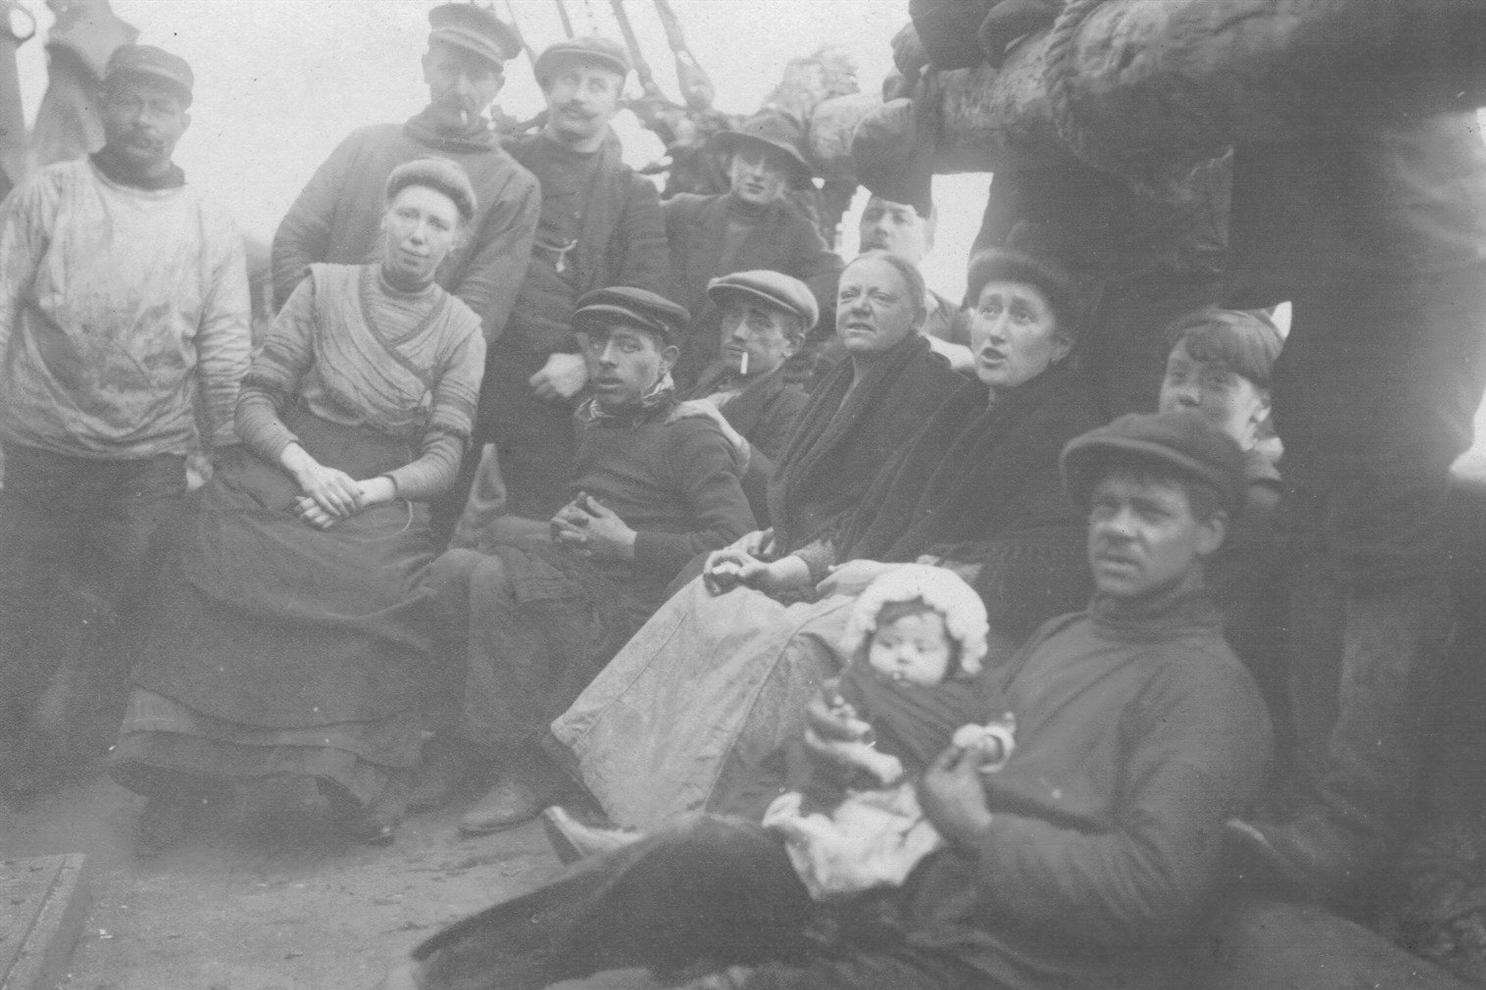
[875, 308]
[421, 225]
[1013, 334]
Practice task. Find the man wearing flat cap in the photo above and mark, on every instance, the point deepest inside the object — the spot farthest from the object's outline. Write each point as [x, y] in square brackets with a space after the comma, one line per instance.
[336, 218]
[600, 226]
[123, 337]
[754, 387]
[752, 226]
[547, 603]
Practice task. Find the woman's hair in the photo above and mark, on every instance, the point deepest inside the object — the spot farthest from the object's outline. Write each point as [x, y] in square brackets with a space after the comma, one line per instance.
[438, 174]
[1244, 342]
[893, 611]
[1052, 280]
[911, 277]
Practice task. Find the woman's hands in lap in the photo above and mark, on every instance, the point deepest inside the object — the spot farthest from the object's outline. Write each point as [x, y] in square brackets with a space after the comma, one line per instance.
[331, 495]
[336, 493]
[730, 567]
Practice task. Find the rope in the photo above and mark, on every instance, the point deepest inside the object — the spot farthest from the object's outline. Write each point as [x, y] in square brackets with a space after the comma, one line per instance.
[1060, 73]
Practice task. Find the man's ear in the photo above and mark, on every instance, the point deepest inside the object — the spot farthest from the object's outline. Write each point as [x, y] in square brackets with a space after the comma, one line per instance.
[185, 121]
[668, 356]
[1211, 533]
[425, 61]
[792, 344]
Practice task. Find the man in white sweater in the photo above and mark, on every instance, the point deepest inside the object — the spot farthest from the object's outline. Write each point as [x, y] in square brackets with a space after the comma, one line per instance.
[123, 336]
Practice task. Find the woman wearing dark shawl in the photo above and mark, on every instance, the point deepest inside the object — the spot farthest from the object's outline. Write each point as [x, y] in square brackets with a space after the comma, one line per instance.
[684, 716]
[288, 640]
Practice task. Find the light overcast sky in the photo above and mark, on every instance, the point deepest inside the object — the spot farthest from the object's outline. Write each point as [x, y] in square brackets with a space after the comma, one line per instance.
[280, 82]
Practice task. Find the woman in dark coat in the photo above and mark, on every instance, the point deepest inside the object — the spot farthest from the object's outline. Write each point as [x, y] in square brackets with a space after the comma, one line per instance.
[728, 675]
[290, 640]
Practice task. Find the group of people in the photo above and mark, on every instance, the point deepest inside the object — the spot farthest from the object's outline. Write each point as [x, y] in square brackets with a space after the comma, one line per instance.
[880, 661]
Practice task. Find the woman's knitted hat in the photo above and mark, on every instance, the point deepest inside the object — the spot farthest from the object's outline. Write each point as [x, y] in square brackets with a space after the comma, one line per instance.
[940, 589]
[440, 174]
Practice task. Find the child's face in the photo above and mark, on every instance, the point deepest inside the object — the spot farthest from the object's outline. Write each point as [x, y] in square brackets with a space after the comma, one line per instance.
[912, 648]
[1225, 398]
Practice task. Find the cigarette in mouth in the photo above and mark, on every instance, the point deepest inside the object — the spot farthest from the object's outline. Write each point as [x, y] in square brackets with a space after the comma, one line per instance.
[743, 364]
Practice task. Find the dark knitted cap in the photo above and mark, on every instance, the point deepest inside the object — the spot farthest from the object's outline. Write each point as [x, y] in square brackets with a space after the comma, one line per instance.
[590, 49]
[771, 288]
[1244, 342]
[1183, 442]
[474, 29]
[436, 173]
[770, 130]
[599, 310]
[1056, 285]
[154, 64]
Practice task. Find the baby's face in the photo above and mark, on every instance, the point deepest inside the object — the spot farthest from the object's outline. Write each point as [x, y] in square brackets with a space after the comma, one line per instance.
[914, 649]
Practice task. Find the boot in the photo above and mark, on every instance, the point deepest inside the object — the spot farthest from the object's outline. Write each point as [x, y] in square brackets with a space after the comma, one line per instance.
[573, 840]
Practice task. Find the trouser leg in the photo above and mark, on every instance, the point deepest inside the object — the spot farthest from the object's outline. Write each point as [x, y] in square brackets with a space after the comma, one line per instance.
[78, 549]
[33, 544]
[1361, 682]
[104, 625]
[1374, 399]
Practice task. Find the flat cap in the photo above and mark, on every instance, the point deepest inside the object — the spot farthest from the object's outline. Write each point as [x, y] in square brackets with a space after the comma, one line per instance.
[476, 30]
[600, 309]
[154, 64]
[441, 174]
[769, 129]
[592, 49]
[1183, 441]
[771, 288]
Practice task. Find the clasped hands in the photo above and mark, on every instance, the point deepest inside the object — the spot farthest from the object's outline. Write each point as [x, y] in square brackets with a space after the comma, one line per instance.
[331, 495]
[591, 529]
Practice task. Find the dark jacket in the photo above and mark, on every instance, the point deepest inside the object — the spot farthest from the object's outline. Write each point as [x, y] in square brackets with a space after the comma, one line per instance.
[621, 241]
[847, 434]
[337, 217]
[780, 238]
[979, 485]
[765, 413]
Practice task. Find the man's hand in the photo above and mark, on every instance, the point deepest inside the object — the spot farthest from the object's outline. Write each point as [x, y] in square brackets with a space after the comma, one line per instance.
[703, 409]
[562, 377]
[592, 529]
[953, 796]
[853, 576]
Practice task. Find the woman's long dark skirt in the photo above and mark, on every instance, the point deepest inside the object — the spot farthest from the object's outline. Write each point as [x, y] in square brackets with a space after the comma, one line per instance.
[277, 648]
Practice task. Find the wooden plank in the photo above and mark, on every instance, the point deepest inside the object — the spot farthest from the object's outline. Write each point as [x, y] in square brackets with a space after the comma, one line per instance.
[44, 903]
